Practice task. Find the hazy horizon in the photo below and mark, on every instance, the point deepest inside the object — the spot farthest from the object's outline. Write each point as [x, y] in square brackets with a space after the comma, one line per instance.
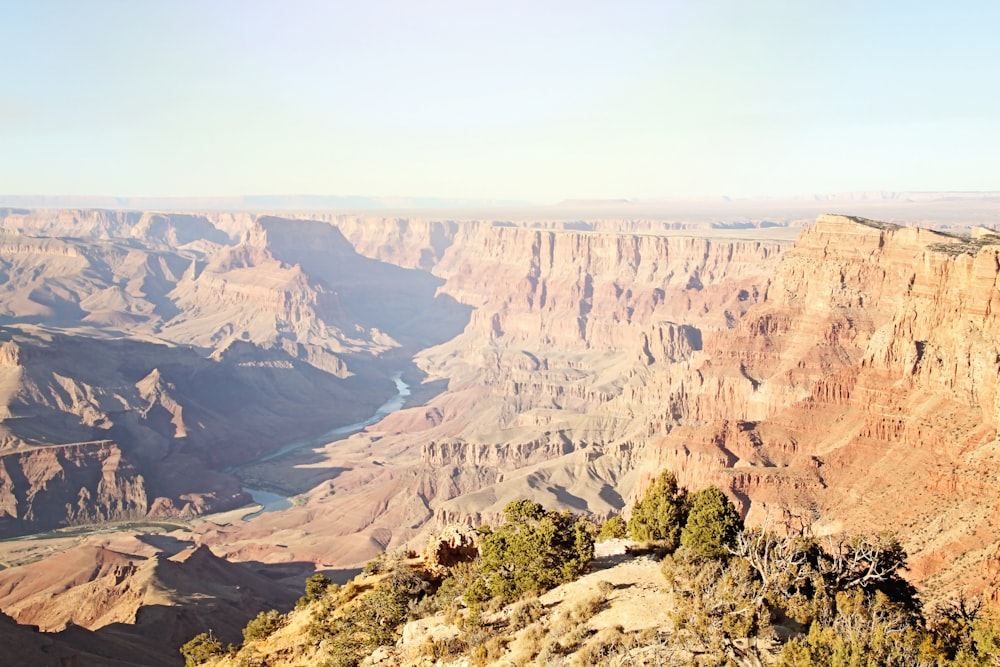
[514, 102]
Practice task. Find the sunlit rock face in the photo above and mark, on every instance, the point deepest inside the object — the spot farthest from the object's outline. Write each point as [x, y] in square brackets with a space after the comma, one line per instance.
[860, 394]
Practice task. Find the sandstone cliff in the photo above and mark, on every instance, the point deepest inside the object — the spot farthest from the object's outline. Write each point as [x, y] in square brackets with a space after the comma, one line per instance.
[185, 353]
[168, 596]
[97, 430]
[860, 394]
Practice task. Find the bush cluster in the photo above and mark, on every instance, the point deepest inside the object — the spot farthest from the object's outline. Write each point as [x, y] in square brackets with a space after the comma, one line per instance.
[200, 649]
[533, 551]
[263, 625]
[705, 523]
[842, 604]
[614, 528]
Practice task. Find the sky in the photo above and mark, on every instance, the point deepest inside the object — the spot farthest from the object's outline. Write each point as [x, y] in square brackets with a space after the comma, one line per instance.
[535, 101]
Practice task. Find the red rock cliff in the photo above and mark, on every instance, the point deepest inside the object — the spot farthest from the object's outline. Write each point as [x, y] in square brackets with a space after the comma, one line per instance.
[860, 394]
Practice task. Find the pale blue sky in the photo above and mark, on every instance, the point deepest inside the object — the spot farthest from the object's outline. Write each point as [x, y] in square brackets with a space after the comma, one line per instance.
[505, 99]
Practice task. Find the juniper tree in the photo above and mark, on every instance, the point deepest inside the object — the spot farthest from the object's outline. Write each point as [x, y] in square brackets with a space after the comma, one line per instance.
[534, 550]
[712, 525]
[660, 515]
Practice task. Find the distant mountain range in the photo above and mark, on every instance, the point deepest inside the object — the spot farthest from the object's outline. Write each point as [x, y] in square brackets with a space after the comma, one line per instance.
[939, 210]
[251, 202]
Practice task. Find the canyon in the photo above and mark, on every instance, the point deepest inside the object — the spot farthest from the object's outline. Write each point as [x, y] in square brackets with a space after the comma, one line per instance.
[838, 377]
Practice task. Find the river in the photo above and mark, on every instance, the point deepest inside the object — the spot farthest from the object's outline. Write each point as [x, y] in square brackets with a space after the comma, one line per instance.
[273, 502]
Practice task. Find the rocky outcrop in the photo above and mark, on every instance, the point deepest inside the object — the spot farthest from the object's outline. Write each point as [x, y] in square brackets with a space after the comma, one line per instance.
[816, 384]
[167, 596]
[449, 546]
[168, 230]
[183, 348]
[572, 353]
[98, 429]
[596, 290]
[81, 483]
[535, 404]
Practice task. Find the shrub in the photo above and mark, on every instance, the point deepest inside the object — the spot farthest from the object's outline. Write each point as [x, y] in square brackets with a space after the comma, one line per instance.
[660, 515]
[448, 596]
[263, 625]
[583, 609]
[614, 528]
[524, 613]
[602, 647]
[316, 587]
[529, 645]
[376, 565]
[200, 649]
[858, 609]
[534, 550]
[358, 620]
[712, 525]
[488, 652]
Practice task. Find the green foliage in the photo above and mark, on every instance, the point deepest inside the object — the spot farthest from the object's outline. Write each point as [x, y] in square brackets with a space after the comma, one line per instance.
[660, 515]
[534, 550]
[787, 601]
[985, 631]
[867, 630]
[860, 611]
[200, 649]
[316, 587]
[845, 605]
[448, 596]
[351, 625]
[719, 610]
[712, 525]
[789, 572]
[614, 528]
[375, 565]
[525, 612]
[263, 625]
[872, 563]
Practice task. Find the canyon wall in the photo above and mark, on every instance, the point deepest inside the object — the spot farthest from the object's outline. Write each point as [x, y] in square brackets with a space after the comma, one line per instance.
[187, 352]
[860, 394]
[817, 383]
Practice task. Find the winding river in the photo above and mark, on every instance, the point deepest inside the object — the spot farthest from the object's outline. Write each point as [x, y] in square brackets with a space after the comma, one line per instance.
[274, 502]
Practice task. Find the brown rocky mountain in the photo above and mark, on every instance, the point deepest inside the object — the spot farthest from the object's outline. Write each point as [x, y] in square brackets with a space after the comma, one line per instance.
[859, 394]
[847, 381]
[111, 647]
[169, 595]
[152, 366]
[538, 385]
[98, 605]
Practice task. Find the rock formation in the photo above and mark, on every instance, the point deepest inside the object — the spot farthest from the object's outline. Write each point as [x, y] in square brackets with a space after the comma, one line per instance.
[815, 384]
[167, 596]
[455, 543]
[860, 394]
